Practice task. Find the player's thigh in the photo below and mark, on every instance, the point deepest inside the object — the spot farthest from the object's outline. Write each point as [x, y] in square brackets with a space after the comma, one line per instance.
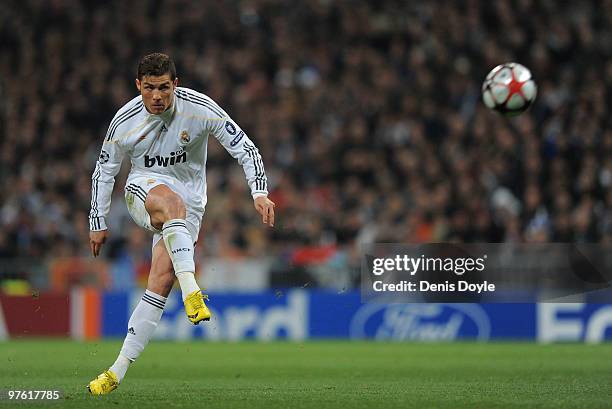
[161, 275]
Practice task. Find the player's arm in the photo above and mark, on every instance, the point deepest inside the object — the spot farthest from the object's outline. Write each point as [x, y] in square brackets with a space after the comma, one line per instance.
[102, 182]
[238, 144]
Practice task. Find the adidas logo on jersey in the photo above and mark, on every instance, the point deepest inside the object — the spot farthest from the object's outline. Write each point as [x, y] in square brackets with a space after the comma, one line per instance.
[165, 161]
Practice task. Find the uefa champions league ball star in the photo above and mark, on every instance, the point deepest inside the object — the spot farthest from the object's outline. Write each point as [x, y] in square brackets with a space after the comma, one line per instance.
[509, 89]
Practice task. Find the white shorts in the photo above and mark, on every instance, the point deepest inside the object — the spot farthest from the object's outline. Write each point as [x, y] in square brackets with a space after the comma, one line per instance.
[136, 190]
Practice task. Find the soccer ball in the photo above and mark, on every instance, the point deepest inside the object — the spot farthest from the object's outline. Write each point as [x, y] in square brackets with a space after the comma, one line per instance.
[509, 89]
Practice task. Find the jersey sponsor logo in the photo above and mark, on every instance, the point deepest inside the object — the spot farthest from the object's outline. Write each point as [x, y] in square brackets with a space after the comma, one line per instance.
[181, 249]
[163, 128]
[104, 157]
[165, 161]
[230, 128]
[237, 139]
[185, 137]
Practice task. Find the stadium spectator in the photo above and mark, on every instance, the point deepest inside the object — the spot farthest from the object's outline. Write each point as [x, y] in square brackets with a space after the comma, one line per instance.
[368, 115]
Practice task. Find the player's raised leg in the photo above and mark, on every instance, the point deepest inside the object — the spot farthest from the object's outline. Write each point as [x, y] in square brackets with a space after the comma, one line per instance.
[167, 212]
[142, 323]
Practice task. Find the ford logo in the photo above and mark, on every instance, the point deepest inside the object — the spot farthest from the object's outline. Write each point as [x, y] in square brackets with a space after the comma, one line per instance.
[421, 322]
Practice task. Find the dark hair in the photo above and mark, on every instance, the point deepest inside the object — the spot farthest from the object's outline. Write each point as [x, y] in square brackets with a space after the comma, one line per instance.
[156, 64]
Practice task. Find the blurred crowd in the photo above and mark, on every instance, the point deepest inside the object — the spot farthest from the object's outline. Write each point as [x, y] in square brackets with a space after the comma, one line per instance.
[367, 114]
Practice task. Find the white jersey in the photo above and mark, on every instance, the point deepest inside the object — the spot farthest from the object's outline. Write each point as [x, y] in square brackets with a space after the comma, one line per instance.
[173, 144]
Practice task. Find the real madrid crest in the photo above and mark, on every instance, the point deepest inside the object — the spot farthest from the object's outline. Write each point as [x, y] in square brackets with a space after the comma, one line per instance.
[185, 137]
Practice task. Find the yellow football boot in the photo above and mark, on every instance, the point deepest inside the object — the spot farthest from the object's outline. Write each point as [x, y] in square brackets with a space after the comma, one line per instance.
[195, 308]
[105, 383]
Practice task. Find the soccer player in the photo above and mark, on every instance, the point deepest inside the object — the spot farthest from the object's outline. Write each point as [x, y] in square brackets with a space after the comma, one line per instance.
[164, 131]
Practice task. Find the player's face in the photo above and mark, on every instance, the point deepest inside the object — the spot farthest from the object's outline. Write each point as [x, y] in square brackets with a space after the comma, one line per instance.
[157, 92]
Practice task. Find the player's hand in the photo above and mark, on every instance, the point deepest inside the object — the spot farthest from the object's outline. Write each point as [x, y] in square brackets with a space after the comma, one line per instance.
[96, 240]
[265, 207]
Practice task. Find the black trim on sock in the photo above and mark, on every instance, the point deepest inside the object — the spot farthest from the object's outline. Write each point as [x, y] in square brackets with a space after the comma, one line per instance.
[152, 301]
[175, 224]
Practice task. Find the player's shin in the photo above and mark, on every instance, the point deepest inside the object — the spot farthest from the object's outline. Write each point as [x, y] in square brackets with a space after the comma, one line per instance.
[141, 326]
[179, 244]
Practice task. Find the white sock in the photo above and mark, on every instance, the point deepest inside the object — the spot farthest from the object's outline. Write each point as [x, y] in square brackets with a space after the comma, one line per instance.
[179, 244]
[141, 326]
[120, 367]
[188, 283]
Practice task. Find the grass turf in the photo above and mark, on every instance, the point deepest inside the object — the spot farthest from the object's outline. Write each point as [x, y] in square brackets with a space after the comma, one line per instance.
[318, 375]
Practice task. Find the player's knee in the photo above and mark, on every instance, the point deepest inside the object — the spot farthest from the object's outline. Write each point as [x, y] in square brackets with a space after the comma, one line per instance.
[163, 204]
[164, 207]
[173, 207]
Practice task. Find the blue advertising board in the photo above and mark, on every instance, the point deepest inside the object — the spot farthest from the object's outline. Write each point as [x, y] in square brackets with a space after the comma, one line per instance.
[300, 314]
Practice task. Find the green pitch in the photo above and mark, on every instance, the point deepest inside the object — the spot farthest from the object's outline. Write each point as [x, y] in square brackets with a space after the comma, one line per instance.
[318, 375]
